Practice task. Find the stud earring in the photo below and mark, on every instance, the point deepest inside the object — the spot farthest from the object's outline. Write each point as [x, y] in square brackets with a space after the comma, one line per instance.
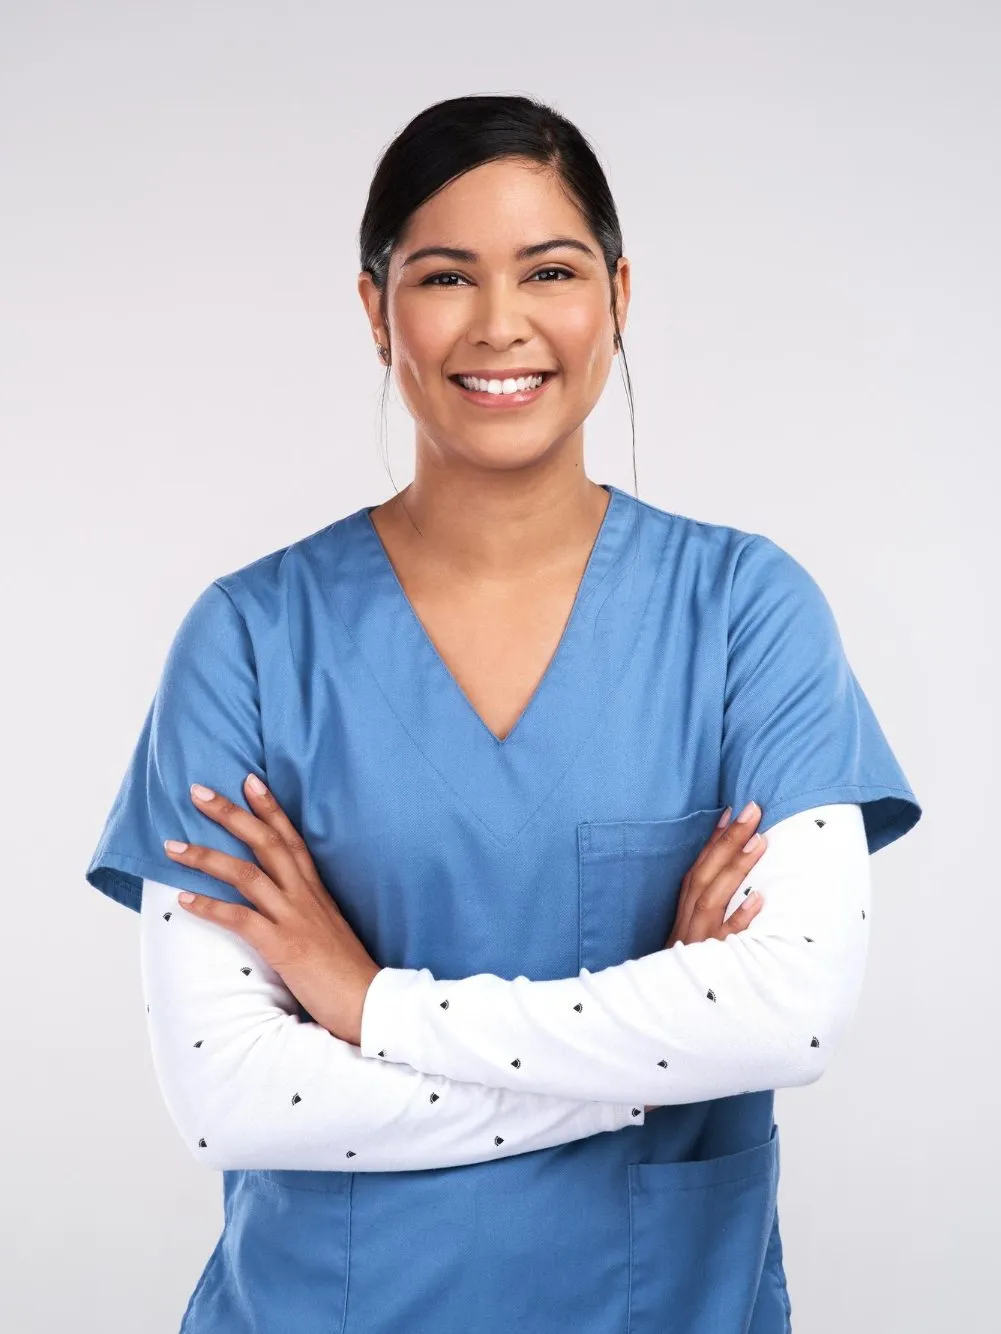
[383, 352]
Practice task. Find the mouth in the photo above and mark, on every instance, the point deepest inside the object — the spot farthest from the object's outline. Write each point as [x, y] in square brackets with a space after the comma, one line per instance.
[510, 391]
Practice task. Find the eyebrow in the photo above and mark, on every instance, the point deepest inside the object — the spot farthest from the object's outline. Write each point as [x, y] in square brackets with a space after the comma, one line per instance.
[526, 252]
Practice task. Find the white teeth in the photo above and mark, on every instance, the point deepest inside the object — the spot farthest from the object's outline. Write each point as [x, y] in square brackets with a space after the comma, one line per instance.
[509, 386]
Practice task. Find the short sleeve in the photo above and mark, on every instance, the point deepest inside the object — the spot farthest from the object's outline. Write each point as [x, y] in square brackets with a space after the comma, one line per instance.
[203, 726]
[798, 730]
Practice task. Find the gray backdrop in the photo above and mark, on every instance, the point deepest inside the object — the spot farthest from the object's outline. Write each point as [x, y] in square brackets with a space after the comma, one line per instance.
[810, 201]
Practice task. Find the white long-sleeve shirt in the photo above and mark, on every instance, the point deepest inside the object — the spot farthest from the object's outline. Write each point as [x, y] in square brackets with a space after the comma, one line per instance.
[249, 1084]
[761, 1009]
[508, 1066]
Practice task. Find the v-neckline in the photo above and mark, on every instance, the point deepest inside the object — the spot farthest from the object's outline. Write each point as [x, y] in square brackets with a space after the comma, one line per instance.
[589, 574]
[501, 782]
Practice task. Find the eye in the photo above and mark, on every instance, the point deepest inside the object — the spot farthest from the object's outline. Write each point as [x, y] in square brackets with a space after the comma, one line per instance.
[429, 281]
[432, 280]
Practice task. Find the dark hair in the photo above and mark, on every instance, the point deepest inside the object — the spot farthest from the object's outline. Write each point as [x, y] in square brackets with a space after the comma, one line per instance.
[452, 137]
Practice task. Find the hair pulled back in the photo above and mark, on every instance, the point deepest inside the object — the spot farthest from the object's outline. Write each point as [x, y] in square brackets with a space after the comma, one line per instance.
[451, 137]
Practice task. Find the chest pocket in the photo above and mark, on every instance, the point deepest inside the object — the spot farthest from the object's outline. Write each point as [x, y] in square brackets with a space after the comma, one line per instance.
[630, 874]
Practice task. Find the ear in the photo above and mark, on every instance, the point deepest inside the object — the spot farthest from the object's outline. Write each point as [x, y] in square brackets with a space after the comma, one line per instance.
[621, 287]
[371, 299]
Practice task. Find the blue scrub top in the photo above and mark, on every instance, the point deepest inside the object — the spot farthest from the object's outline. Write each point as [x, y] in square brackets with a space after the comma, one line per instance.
[701, 666]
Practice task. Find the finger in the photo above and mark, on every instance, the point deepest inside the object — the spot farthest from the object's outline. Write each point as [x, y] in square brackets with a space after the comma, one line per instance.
[725, 843]
[265, 806]
[233, 916]
[709, 904]
[267, 844]
[722, 846]
[714, 837]
[246, 877]
[691, 884]
[710, 897]
[700, 871]
[744, 915]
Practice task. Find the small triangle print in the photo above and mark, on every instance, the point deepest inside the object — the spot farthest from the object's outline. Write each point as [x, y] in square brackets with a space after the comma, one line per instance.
[808, 939]
[246, 971]
[199, 1042]
[710, 995]
[517, 1064]
[636, 1111]
[747, 891]
[444, 1005]
[578, 1007]
[820, 823]
[295, 1099]
[382, 1053]
[433, 1098]
[166, 916]
[863, 914]
[815, 1042]
[662, 1064]
[498, 1139]
[202, 1144]
[350, 1154]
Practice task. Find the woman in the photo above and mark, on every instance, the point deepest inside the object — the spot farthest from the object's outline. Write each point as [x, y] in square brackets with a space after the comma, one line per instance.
[473, 1005]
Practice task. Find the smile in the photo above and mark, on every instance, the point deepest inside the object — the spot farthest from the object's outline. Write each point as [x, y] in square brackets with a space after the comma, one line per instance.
[509, 393]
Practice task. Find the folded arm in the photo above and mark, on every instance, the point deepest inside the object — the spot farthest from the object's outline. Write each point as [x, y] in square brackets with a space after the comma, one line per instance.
[249, 1084]
[762, 1009]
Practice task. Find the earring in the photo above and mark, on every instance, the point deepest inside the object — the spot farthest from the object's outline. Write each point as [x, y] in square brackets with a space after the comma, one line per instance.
[383, 352]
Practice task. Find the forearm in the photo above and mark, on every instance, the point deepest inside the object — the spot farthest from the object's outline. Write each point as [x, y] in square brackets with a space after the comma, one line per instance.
[251, 1085]
[762, 1009]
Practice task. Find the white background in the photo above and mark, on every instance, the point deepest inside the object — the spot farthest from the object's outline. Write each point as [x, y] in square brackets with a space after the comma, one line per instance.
[810, 200]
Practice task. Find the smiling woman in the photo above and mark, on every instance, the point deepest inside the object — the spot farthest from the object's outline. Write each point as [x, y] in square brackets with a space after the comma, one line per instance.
[472, 1011]
[536, 284]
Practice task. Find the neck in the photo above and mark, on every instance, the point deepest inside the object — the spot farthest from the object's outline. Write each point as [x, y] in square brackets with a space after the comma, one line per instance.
[496, 527]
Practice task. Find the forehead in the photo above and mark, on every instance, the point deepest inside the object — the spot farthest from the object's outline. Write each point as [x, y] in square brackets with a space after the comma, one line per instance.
[494, 209]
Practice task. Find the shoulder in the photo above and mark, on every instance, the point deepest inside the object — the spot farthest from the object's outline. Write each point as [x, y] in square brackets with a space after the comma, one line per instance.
[748, 576]
[263, 585]
[730, 551]
[235, 616]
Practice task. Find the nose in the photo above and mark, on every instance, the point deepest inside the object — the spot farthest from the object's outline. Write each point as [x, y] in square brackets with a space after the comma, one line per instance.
[498, 315]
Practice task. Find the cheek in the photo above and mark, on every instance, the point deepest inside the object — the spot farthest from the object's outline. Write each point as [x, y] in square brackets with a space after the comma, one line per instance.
[578, 337]
[424, 334]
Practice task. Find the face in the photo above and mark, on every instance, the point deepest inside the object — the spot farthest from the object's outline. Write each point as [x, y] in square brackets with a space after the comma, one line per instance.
[494, 314]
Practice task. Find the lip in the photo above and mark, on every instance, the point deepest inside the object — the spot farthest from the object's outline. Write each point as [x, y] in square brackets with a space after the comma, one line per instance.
[515, 373]
[504, 402]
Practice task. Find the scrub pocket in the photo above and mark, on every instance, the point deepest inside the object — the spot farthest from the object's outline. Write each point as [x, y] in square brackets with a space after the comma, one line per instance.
[630, 874]
[282, 1260]
[698, 1236]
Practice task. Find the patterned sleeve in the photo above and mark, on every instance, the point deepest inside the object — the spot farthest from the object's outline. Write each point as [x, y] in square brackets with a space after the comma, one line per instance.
[249, 1085]
[763, 1008]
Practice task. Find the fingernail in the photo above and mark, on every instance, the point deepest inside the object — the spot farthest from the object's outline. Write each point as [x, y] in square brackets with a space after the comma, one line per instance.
[723, 818]
[751, 842]
[185, 896]
[255, 785]
[172, 845]
[202, 793]
[746, 813]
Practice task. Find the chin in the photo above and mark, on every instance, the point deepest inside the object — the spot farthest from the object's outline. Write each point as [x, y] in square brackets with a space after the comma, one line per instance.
[496, 458]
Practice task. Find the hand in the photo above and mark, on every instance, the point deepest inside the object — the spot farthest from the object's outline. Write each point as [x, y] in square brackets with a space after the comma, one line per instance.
[710, 882]
[299, 931]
